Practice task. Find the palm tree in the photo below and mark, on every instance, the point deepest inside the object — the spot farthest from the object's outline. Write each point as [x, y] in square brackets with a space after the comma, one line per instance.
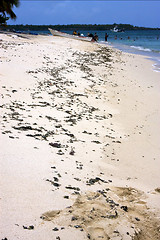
[6, 7]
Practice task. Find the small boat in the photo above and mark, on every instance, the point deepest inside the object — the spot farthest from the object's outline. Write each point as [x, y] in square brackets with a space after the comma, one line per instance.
[115, 29]
[66, 35]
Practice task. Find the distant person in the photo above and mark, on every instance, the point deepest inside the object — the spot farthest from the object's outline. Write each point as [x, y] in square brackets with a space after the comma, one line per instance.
[75, 33]
[90, 35]
[106, 37]
[128, 37]
[115, 37]
[95, 38]
[79, 34]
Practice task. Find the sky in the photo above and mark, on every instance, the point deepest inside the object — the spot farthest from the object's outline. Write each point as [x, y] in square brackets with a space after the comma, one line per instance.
[45, 12]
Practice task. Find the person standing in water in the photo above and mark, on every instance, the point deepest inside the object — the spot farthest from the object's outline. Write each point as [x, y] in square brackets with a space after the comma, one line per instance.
[106, 37]
[95, 37]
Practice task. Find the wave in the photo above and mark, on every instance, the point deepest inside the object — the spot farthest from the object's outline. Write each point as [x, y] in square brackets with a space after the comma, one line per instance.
[141, 48]
[156, 66]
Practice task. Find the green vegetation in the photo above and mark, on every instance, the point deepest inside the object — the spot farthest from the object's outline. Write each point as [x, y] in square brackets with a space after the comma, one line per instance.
[6, 11]
[78, 27]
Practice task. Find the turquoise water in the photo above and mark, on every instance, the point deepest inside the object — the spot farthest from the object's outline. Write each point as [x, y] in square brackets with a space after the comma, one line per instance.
[143, 42]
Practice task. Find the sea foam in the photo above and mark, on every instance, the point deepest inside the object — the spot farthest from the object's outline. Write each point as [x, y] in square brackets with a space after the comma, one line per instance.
[141, 48]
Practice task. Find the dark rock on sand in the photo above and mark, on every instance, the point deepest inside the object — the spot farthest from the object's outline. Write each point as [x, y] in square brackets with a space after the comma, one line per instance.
[66, 197]
[13, 91]
[53, 183]
[74, 218]
[60, 152]
[26, 128]
[56, 145]
[87, 132]
[29, 228]
[125, 208]
[92, 181]
[55, 229]
[70, 135]
[112, 216]
[72, 152]
[97, 142]
[88, 235]
[56, 179]
[73, 188]
[78, 226]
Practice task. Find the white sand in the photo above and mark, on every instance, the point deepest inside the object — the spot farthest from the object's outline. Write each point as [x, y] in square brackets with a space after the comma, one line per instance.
[97, 103]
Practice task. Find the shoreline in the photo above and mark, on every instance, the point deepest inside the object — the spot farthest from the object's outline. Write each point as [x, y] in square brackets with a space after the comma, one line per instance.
[80, 140]
[151, 55]
[136, 50]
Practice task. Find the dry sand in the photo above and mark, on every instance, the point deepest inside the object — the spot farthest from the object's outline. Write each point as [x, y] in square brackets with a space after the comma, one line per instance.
[79, 141]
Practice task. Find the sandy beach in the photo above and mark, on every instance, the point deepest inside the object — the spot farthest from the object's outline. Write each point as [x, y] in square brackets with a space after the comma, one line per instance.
[79, 141]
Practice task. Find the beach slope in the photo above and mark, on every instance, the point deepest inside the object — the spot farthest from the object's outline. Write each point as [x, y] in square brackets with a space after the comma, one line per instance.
[79, 140]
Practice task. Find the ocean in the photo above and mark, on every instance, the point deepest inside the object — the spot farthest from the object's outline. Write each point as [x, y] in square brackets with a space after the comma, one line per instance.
[143, 42]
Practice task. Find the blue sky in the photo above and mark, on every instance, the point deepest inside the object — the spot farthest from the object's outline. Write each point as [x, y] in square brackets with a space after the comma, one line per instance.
[138, 13]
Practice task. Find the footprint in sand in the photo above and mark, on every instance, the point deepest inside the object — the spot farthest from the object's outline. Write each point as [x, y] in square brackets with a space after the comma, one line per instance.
[97, 233]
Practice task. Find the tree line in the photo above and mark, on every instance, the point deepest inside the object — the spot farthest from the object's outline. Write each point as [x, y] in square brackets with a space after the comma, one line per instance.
[79, 27]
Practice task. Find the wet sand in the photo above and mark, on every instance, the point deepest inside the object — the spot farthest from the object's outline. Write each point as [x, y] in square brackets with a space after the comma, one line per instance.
[79, 140]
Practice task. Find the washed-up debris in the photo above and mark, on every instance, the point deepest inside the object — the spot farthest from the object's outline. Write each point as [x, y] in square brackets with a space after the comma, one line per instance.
[74, 218]
[97, 142]
[56, 184]
[66, 197]
[92, 181]
[27, 128]
[111, 216]
[87, 132]
[72, 152]
[70, 135]
[73, 188]
[55, 229]
[13, 91]
[56, 145]
[50, 118]
[78, 226]
[60, 152]
[29, 228]
[125, 208]
[42, 104]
